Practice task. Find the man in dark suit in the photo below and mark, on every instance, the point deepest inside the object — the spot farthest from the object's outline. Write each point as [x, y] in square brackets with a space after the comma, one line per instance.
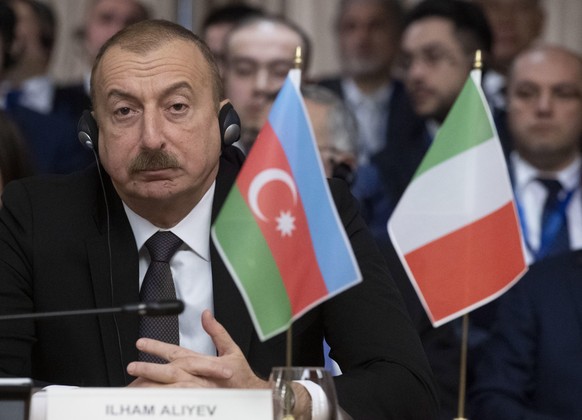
[544, 102]
[531, 368]
[64, 246]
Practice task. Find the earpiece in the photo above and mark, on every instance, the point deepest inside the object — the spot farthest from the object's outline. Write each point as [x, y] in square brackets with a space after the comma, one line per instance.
[229, 123]
[87, 131]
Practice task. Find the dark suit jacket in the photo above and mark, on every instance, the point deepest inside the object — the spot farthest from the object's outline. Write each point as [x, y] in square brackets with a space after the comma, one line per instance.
[532, 366]
[54, 246]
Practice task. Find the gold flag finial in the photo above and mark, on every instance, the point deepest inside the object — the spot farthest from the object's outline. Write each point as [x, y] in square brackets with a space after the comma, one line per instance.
[298, 59]
[478, 65]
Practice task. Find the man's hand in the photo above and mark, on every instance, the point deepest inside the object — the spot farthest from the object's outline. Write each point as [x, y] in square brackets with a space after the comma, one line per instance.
[190, 369]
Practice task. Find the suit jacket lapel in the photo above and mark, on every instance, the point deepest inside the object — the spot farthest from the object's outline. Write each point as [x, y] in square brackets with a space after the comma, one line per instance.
[113, 262]
[229, 307]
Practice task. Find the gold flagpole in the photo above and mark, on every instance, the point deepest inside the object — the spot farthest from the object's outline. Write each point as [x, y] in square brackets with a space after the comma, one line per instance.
[478, 65]
[297, 61]
[289, 401]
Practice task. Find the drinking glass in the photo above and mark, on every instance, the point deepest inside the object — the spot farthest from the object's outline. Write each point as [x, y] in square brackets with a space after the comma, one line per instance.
[317, 379]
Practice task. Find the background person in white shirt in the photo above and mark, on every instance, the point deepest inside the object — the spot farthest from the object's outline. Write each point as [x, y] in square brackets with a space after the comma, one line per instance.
[544, 111]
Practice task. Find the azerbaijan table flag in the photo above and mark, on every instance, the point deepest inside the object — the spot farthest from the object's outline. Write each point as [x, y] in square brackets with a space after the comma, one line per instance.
[279, 232]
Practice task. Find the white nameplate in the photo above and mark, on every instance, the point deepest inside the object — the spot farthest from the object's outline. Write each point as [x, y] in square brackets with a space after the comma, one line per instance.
[158, 403]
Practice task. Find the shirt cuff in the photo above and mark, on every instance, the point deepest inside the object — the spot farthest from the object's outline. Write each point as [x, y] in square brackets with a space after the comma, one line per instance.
[319, 403]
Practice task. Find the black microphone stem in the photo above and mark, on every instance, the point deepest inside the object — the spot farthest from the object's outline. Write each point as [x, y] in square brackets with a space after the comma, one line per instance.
[154, 308]
[61, 313]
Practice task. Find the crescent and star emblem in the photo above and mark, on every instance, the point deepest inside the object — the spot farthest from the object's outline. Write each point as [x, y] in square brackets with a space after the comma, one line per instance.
[285, 220]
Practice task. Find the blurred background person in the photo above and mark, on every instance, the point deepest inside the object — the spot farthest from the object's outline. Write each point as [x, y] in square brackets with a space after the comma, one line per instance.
[259, 52]
[368, 34]
[524, 373]
[28, 81]
[29, 98]
[219, 22]
[335, 131]
[529, 367]
[516, 25]
[103, 19]
[544, 115]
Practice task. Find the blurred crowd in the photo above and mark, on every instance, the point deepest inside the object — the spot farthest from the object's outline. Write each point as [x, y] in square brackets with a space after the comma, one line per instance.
[401, 71]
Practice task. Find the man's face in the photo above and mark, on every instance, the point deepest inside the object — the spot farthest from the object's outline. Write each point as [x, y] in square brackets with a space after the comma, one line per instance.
[436, 67]
[105, 19]
[319, 115]
[545, 107]
[27, 33]
[214, 36]
[159, 138]
[515, 25]
[258, 58]
[368, 39]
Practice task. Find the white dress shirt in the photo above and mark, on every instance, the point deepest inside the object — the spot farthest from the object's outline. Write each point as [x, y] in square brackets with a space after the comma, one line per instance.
[371, 112]
[190, 266]
[531, 196]
[192, 274]
[37, 94]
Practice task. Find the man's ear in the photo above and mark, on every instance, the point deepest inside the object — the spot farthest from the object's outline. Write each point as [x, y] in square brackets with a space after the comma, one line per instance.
[228, 123]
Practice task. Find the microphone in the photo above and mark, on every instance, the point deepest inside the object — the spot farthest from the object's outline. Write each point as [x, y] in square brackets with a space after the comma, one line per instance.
[155, 308]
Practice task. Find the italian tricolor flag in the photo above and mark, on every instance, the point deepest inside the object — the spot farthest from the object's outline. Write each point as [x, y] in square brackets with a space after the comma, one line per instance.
[455, 228]
[278, 232]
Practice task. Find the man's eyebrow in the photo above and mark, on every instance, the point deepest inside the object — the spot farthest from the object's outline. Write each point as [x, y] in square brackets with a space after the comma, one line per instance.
[248, 60]
[183, 85]
[120, 94]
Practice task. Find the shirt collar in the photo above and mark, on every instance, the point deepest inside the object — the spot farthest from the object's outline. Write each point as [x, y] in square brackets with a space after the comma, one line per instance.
[524, 173]
[354, 95]
[194, 229]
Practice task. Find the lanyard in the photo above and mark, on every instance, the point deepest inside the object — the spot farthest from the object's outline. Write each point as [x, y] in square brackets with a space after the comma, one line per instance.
[554, 222]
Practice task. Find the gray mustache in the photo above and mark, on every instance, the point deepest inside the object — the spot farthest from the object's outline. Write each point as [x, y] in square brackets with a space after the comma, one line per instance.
[153, 160]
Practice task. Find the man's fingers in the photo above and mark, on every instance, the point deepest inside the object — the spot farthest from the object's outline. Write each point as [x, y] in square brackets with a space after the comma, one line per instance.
[166, 351]
[183, 363]
[220, 337]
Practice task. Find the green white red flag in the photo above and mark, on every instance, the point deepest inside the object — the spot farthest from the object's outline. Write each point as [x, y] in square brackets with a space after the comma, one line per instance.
[278, 231]
[456, 228]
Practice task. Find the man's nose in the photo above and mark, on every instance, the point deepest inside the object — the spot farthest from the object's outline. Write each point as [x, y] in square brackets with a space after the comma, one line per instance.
[262, 80]
[544, 103]
[151, 137]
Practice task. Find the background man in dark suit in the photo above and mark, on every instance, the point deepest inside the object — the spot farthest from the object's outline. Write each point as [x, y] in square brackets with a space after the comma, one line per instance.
[368, 36]
[531, 368]
[63, 246]
[544, 106]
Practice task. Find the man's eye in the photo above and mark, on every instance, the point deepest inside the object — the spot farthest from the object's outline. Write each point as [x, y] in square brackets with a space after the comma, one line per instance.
[567, 93]
[123, 111]
[244, 70]
[525, 93]
[178, 107]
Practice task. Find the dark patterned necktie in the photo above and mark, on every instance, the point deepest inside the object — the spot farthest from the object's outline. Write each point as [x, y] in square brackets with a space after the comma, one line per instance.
[554, 220]
[159, 285]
